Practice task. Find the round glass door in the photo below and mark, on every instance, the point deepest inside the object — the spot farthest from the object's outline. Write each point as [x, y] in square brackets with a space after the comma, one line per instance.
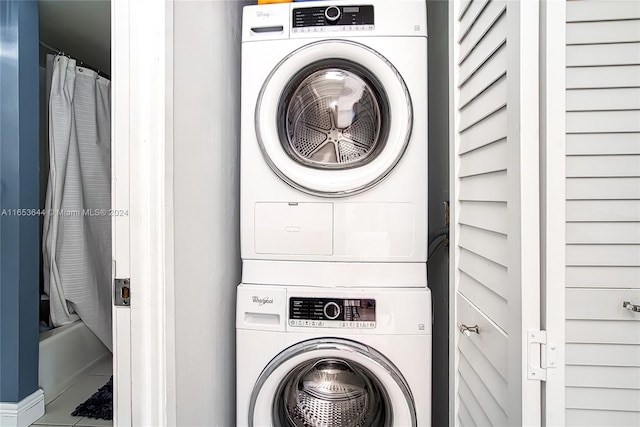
[331, 393]
[334, 115]
[331, 382]
[333, 118]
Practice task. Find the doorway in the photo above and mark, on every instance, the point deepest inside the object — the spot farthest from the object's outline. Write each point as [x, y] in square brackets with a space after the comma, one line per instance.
[75, 183]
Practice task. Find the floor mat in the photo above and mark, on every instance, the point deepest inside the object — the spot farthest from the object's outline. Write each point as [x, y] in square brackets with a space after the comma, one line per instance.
[99, 405]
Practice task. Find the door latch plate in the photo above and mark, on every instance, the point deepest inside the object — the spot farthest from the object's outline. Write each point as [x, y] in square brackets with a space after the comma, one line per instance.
[541, 355]
[122, 293]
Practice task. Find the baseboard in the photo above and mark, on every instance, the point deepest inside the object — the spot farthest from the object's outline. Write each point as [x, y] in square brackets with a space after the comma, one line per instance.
[23, 413]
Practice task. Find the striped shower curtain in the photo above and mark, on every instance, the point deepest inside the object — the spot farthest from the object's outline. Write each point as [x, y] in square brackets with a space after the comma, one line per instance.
[77, 224]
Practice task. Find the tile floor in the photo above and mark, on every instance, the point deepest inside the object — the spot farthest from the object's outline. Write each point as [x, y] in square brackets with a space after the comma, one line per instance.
[58, 412]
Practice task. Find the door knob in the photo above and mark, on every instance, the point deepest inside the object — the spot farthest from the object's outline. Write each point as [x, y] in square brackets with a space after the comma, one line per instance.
[468, 330]
[631, 307]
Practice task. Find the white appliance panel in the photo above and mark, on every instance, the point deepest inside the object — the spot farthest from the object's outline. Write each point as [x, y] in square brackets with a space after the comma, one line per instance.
[391, 18]
[335, 274]
[294, 228]
[399, 311]
[374, 229]
[407, 182]
[261, 308]
[267, 22]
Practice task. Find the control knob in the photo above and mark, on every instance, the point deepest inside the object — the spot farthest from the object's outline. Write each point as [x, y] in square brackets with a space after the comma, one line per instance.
[331, 310]
[332, 13]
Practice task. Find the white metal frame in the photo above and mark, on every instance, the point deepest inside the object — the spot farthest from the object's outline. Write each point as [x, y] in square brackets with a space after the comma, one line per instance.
[552, 163]
[142, 176]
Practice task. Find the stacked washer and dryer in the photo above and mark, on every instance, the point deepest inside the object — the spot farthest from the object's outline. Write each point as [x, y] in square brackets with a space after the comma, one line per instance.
[333, 318]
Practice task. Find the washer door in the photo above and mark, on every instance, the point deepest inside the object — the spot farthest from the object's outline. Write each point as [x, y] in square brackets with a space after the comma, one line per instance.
[334, 383]
[333, 118]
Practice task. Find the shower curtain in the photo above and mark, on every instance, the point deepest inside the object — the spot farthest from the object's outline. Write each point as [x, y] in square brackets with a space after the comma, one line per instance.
[77, 223]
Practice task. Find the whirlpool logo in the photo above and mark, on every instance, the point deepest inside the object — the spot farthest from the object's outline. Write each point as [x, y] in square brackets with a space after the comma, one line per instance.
[263, 14]
[261, 301]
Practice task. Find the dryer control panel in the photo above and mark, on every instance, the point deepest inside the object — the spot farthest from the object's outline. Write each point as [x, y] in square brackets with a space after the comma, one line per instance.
[332, 313]
[326, 18]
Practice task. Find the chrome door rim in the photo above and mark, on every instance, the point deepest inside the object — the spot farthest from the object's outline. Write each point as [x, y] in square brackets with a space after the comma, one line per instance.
[348, 350]
[335, 182]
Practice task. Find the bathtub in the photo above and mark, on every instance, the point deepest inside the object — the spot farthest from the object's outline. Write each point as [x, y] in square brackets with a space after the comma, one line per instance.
[66, 354]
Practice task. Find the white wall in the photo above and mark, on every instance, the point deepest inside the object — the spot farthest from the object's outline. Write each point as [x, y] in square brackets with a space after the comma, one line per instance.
[81, 29]
[207, 255]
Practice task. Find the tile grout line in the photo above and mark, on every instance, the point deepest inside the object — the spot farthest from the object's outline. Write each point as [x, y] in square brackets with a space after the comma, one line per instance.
[81, 419]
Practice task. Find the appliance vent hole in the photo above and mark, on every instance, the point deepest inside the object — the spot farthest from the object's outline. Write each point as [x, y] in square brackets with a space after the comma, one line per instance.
[309, 140]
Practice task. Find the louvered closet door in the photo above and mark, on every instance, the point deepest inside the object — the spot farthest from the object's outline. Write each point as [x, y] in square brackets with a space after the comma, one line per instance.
[496, 212]
[603, 213]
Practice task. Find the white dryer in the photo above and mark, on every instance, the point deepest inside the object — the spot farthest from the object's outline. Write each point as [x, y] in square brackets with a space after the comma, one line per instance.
[334, 140]
[335, 358]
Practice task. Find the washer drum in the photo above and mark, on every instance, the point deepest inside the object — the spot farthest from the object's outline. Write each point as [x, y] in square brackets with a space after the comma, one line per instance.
[332, 393]
[333, 119]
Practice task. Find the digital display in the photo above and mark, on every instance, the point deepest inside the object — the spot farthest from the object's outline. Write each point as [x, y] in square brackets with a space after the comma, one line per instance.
[355, 17]
[332, 312]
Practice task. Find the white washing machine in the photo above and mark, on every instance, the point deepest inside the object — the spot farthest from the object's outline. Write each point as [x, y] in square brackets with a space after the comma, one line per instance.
[333, 358]
[334, 142]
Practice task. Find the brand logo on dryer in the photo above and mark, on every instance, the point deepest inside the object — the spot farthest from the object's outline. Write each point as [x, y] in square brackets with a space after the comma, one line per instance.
[261, 301]
[263, 14]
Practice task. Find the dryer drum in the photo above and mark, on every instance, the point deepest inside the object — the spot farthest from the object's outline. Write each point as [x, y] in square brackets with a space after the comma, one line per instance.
[331, 393]
[333, 115]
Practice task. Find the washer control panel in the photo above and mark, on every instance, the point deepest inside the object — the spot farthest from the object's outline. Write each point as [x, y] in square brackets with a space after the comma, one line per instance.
[333, 18]
[332, 313]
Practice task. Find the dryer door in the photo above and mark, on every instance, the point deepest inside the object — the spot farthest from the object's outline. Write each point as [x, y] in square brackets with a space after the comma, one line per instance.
[331, 382]
[333, 118]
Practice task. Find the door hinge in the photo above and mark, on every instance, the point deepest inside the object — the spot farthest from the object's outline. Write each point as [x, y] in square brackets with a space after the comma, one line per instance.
[122, 292]
[541, 355]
